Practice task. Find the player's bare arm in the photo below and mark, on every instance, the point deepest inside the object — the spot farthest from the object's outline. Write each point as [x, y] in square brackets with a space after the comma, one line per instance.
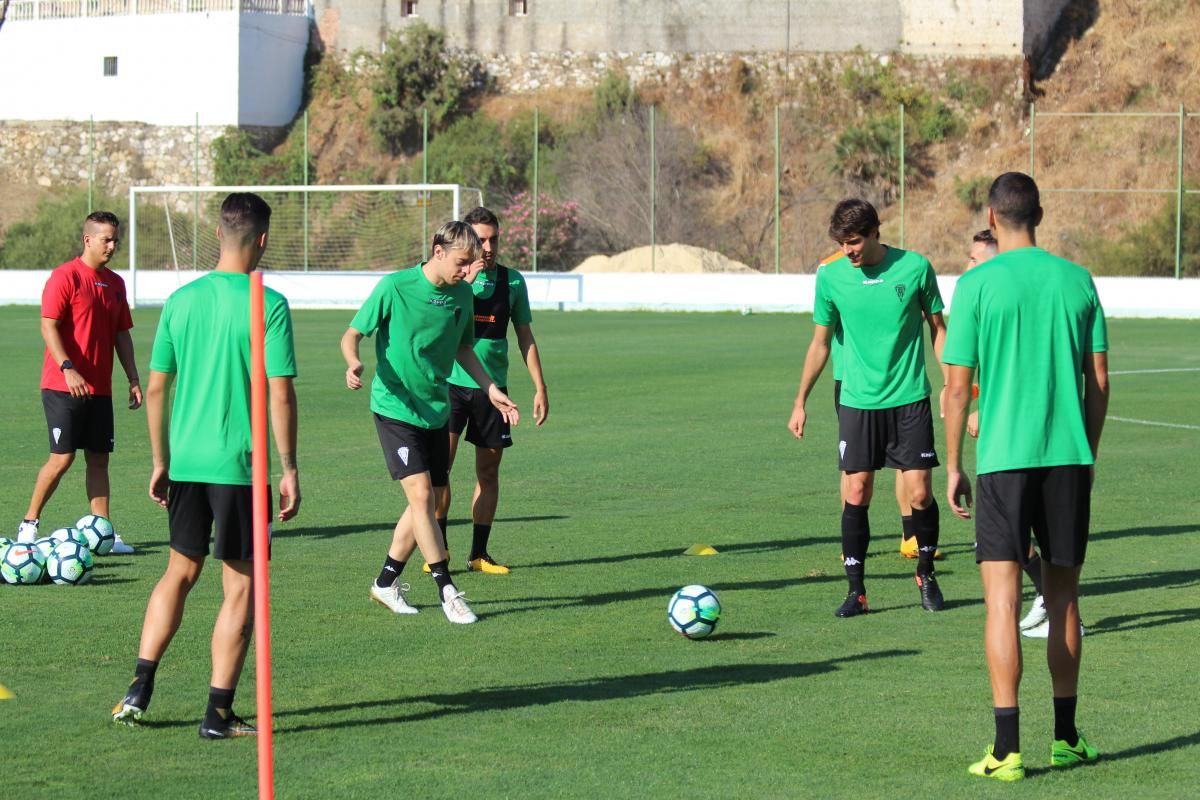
[814, 364]
[470, 362]
[124, 347]
[957, 398]
[157, 417]
[937, 336]
[284, 419]
[76, 384]
[1095, 397]
[354, 365]
[533, 362]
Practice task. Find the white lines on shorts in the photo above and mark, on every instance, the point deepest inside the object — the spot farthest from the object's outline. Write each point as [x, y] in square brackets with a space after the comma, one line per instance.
[1156, 424]
[1154, 371]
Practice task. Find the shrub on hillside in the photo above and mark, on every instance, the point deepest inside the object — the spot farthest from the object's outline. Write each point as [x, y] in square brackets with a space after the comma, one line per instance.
[1149, 249]
[415, 74]
[557, 229]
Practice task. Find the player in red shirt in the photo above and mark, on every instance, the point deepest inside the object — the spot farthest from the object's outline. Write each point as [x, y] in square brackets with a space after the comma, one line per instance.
[85, 317]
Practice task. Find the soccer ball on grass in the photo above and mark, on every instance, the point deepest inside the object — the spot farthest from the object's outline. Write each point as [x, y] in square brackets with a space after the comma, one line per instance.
[694, 611]
[70, 564]
[22, 563]
[98, 533]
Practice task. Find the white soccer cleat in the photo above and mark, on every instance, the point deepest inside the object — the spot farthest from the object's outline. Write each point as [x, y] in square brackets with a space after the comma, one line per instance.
[393, 597]
[27, 532]
[119, 547]
[1043, 631]
[1036, 615]
[455, 606]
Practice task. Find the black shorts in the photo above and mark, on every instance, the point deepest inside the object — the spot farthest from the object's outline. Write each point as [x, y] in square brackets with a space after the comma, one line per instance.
[1052, 502]
[900, 437]
[837, 396]
[78, 423]
[410, 450]
[471, 409]
[222, 512]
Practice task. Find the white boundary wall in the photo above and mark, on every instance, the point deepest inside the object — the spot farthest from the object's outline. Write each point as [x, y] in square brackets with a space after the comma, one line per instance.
[1122, 297]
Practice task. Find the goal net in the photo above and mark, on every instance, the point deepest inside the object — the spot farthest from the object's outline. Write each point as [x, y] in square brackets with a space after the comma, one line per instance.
[319, 229]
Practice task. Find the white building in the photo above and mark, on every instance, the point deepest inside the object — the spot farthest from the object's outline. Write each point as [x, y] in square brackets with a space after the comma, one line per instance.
[163, 62]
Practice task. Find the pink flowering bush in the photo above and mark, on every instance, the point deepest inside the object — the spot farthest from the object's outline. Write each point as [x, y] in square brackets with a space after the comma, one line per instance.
[557, 228]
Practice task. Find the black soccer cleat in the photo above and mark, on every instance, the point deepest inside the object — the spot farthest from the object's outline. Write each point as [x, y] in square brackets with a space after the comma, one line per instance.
[931, 595]
[853, 605]
[226, 728]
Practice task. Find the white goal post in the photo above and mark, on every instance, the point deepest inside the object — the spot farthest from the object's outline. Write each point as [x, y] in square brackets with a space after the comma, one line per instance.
[171, 230]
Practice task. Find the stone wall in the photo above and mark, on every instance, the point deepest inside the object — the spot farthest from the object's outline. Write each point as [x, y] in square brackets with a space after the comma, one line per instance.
[58, 155]
[917, 27]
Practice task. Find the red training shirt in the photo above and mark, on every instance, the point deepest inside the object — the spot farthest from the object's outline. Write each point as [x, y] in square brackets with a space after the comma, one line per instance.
[91, 308]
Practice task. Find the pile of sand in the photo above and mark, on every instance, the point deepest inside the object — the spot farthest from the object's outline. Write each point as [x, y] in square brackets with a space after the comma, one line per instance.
[682, 258]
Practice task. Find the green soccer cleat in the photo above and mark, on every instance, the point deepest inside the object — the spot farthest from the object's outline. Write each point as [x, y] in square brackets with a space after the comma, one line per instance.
[1064, 755]
[1012, 768]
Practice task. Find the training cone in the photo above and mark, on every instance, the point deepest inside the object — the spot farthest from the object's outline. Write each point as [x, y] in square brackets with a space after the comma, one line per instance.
[700, 550]
[5, 694]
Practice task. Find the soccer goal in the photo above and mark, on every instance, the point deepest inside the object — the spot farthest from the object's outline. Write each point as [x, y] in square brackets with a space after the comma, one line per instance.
[172, 229]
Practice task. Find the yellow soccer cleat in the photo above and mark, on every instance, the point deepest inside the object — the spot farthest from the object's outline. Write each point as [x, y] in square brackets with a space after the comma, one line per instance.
[1012, 768]
[908, 547]
[486, 565]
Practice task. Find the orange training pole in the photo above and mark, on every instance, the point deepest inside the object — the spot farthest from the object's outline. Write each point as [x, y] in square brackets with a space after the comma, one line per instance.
[262, 542]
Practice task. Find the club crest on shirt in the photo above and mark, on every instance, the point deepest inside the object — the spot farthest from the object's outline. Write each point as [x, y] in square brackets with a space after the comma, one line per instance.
[900, 292]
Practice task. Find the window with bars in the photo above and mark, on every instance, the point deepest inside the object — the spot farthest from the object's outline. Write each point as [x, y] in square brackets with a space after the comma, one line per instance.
[408, 8]
[110, 66]
[518, 8]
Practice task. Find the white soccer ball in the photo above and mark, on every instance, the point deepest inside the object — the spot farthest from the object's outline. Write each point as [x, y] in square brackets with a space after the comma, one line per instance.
[5, 543]
[46, 545]
[22, 563]
[694, 611]
[98, 533]
[69, 535]
[70, 564]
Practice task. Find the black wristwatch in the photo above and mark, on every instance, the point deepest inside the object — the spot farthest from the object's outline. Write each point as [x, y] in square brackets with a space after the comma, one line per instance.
[66, 365]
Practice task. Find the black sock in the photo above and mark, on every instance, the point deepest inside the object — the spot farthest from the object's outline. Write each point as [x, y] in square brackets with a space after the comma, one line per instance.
[479, 540]
[925, 527]
[856, 538]
[1033, 568]
[442, 524]
[390, 572]
[220, 706]
[1064, 720]
[1008, 732]
[906, 525]
[440, 570]
[142, 686]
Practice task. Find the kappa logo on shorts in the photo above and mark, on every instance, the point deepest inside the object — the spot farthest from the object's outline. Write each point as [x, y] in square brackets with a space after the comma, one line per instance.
[57, 432]
[403, 453]
[929, 455]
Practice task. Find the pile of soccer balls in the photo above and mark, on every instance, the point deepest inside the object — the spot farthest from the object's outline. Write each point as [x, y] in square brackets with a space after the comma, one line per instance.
[64, 557]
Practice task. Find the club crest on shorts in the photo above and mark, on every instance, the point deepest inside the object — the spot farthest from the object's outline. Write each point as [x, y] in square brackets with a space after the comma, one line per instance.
[900, 293]
[403, 453]
[57, 432]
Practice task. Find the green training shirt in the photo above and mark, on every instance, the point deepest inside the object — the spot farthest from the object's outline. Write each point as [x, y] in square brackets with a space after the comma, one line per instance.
[1026, 320]
[203, 337]
[493, 353]
[880, 310]
[420, 328]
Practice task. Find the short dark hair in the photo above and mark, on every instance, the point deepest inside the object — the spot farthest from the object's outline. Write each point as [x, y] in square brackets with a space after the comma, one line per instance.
[1015, 199]
[244, 215]
[481, 216]
[102, 218]
[987, 237]
[853, 216]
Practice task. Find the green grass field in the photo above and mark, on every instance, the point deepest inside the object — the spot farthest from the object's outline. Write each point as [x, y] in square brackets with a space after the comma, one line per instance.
[665, 430]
